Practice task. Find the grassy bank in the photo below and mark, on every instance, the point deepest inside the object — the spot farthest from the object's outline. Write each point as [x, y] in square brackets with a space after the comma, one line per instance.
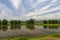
[45, 37]
[48, 24]
[38, 24]
[41, 24]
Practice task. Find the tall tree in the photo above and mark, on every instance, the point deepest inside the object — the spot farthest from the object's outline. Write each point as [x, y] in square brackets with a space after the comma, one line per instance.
[12, 22]
[4, 22]
[45, 21]
[31, 21]
[15, 22]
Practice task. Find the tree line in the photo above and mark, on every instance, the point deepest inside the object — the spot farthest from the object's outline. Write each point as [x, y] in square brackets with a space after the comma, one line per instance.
[15, 22]
[28, 22]
[11, 22]
[51, 21]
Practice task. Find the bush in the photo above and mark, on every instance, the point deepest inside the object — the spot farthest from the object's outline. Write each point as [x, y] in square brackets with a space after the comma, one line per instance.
[22, 39]
[56, 35]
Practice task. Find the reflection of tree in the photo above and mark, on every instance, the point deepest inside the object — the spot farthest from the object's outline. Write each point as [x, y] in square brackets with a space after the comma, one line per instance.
[30, 24]
[0, 22]
[15, 24]
[4, 28]
[50, 27]
[15, 27]
[45, 27]
[31, 27]
[0, 27]
[31, 21]
[53, 27]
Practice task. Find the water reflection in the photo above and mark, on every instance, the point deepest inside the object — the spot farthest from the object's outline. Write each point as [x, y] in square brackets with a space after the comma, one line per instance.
[15, 27]
[50, 27]
[0, 28]
[3, 28]
[28, 30]
[31, 27]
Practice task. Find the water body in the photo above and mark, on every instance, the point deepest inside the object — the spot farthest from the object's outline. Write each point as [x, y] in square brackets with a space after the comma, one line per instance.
[27, 31]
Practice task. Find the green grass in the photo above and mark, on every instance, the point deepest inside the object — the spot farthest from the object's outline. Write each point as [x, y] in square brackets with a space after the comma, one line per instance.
[35, 38]
[39, 24]
[48, 24]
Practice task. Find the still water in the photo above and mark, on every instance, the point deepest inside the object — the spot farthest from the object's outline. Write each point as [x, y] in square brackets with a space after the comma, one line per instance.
[28, 31]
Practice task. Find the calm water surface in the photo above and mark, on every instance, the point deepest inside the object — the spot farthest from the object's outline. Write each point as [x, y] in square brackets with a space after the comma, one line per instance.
[21, 31]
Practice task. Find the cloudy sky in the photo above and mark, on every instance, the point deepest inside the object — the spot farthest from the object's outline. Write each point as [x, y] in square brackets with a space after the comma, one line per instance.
[27, 9]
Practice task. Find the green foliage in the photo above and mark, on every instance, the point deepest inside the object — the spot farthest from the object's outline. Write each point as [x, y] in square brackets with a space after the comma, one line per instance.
[4, 22]
[12, 22]
[51, 21]
[15, 22]
[31, 21]
[56, 35]
[0, 22]
[30, 24]
[45, 21]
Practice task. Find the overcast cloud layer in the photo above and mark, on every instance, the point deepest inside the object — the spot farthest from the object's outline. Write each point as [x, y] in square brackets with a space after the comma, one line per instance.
[26, 9]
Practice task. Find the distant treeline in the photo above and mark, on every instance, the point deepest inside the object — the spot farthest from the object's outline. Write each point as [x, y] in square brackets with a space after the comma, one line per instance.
[31, 21]
[15, 22]
[51, 21]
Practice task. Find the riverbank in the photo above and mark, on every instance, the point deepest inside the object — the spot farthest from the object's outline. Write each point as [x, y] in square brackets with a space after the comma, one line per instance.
[39, 24]
[48, 24]
[45, 37]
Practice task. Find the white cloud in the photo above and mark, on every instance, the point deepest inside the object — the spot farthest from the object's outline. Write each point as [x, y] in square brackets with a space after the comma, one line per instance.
[7, 13]
[36, 2]
[53, 1]
[4, 15]
[49, 16]
[41, 11]
[15, 3]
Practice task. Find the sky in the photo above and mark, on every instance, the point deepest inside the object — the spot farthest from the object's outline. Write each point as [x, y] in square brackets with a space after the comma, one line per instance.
[29, 9]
